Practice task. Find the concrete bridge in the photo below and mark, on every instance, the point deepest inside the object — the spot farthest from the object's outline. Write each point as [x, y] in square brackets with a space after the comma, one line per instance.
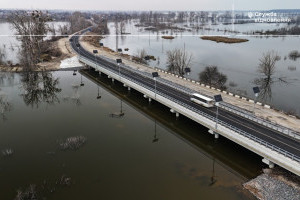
[274, 145]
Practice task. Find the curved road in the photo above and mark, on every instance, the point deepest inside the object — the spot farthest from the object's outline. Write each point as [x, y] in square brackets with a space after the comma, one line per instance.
[269, 135]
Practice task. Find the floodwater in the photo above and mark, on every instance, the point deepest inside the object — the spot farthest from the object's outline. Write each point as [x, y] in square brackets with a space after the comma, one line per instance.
[238, 61]
[144, 154]
[131, 149]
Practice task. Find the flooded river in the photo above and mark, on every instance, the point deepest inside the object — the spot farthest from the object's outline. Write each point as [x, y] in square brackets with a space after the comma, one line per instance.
[145, 153]
[239, 62]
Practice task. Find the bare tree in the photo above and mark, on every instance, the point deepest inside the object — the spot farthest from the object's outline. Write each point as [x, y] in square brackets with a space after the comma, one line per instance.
[267, 63]
[2, 56]
[101, 22]
[178, 60]
[32, 28]
[78, 22]
[267, 69]
[122, 27]
[212, 77]
[140, 56]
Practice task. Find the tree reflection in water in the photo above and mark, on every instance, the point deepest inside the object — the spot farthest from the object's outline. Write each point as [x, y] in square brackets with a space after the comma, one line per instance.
[39, 87]
[5, 106]
[267, 69]
[6, 79]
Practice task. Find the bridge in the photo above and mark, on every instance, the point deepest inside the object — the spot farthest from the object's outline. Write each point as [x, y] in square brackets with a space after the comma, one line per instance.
[276, 145]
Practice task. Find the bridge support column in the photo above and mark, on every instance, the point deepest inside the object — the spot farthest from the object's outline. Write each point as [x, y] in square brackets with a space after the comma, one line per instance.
[214, 133]
[268, 162]
[177, 114]
[113, 80]
[99, 73]
[150, 100]
[129, 88]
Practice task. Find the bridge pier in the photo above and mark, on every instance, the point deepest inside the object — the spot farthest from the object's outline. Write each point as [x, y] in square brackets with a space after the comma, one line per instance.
[112, 80]
[268, 162]
[129, 88]
[99, 73]
[177, 114]
[150, 100]
[217, 135]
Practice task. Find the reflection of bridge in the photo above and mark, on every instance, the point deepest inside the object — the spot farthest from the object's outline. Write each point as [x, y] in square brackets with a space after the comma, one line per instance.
[272, 145]
[221, 154]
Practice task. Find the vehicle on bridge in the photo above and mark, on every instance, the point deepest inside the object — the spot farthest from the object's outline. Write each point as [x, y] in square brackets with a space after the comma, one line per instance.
[202, 100]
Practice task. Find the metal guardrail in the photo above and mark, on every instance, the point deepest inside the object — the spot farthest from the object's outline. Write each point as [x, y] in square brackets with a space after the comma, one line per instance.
[252, 117]
[226, 106]
[232, 128]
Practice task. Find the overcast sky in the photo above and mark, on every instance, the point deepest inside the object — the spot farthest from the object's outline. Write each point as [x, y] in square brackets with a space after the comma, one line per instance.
[151, 4]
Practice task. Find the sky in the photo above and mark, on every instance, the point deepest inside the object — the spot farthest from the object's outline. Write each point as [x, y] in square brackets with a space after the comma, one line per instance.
[130, 5]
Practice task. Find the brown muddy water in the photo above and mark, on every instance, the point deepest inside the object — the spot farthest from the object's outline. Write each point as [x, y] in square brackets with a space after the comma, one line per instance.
[144, 154]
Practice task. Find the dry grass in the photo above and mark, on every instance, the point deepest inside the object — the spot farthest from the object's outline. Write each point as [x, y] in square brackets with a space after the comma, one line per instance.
[94, 40]
[224, 39]
[168, 37]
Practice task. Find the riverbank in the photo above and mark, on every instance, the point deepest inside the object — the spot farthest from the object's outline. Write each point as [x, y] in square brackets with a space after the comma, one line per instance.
[62, 45]
[275, 184]
[262, 111]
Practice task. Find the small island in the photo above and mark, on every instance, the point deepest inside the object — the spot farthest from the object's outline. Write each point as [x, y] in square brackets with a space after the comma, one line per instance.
[168, 37]
[224, 39]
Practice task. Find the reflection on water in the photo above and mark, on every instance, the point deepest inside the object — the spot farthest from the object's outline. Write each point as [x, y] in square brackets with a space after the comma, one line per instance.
[238, 61]
[146, 155]
[267, 69]
[39, 87]
[5, 106]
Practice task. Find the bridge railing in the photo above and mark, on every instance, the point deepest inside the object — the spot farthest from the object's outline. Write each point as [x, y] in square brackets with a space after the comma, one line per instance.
[226, 106]
[252, 117]
[220, 122]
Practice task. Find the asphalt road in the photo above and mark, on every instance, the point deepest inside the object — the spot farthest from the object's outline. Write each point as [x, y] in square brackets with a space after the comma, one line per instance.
[269, 135]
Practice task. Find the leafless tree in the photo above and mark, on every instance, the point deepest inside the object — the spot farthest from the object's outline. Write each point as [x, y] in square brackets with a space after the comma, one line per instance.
[2, 56]
[64, 29]
[212, 77]
[101, 22]
[78, 22]
[140, 56]
[122, 27]
[267, 63]
[267, 69]
[31, 28]
[178, 60]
